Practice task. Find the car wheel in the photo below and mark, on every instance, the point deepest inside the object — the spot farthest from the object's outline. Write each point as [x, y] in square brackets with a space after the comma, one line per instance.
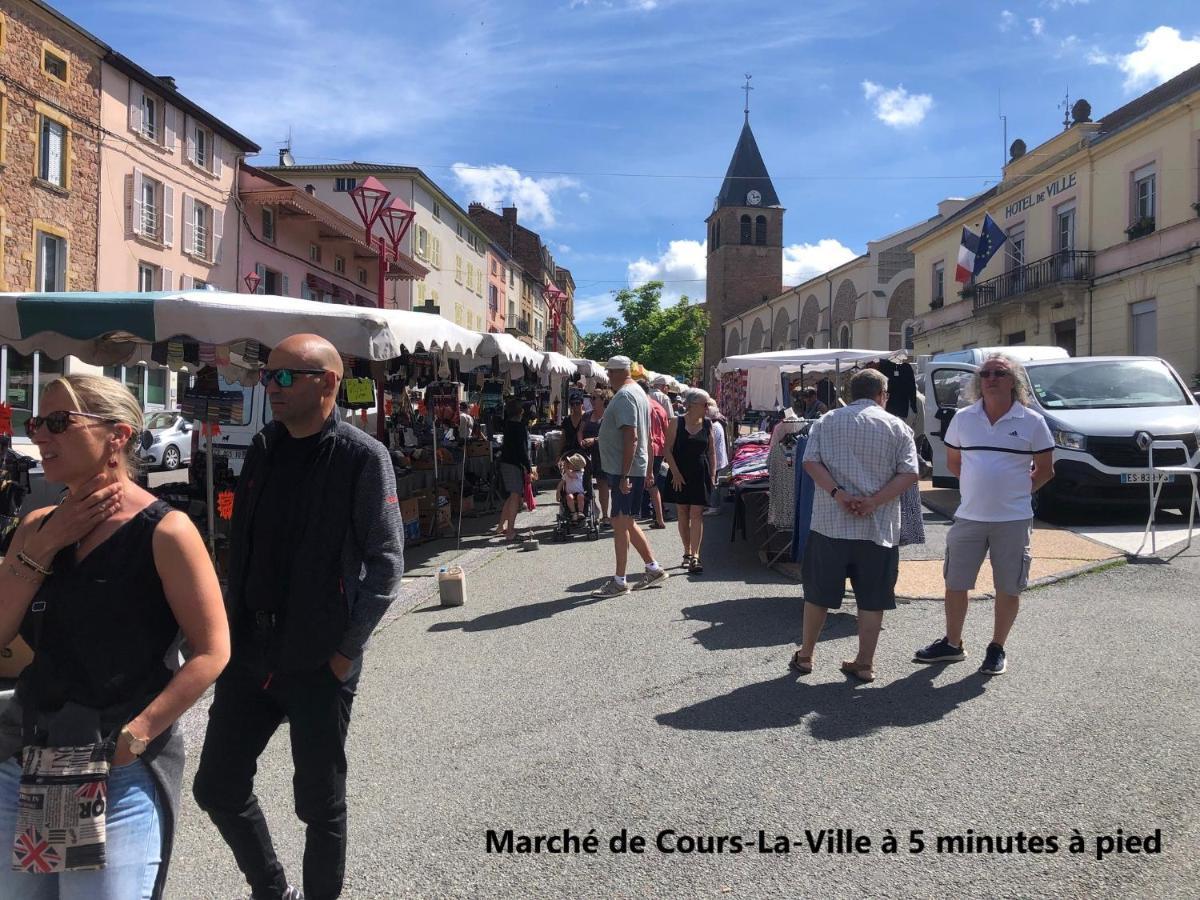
[171, 459]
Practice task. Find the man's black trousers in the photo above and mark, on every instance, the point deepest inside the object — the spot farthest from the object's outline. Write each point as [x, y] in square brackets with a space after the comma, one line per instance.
[246, 711]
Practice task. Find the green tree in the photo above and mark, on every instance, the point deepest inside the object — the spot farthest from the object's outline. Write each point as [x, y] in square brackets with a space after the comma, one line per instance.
[664, 339]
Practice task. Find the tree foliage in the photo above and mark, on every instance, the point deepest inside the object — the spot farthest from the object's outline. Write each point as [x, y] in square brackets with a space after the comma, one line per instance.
[663, 339]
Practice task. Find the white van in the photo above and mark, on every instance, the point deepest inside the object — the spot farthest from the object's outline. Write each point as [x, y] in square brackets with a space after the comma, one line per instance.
[1096, 407]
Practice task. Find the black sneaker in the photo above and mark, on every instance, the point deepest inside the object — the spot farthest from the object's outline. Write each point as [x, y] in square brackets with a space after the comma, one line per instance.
[940, 650]
[995, 661]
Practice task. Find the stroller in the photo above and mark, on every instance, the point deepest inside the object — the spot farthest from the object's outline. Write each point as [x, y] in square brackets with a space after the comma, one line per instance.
[565, 525]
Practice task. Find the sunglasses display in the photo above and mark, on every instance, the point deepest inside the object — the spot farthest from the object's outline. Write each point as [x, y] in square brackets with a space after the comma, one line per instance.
[58, 422]
[284, 377]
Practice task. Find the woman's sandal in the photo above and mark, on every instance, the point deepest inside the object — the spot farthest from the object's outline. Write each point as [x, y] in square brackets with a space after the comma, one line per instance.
[800, 664]
[862, 671]
[696, 568]
[687, 560]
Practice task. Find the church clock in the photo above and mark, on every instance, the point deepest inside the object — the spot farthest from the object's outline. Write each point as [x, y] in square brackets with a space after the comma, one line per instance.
[753, 198]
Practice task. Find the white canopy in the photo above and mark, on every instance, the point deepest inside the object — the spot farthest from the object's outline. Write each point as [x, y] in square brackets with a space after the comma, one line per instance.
[557, 364]
[817, 360]
[592, 370]
[509, 349]
[106, 329]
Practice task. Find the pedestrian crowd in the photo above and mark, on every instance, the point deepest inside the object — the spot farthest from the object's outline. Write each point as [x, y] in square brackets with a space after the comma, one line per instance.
[103, 585]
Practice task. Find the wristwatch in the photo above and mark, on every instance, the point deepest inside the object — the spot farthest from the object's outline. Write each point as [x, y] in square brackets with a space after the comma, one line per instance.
[137, 745]
[833, 493]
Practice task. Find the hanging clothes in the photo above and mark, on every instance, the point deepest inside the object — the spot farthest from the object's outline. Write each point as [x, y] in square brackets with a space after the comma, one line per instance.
[803, 489]
[781, 508]
[902, 388]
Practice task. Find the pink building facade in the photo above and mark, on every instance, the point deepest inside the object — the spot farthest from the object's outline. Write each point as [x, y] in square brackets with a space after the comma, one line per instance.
[498, 262]
[301, 247]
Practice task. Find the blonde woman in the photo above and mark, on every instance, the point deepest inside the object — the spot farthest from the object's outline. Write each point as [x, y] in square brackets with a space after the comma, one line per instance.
[102, 585]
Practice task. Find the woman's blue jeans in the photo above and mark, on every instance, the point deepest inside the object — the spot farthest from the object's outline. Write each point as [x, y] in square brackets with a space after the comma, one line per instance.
[133, 843]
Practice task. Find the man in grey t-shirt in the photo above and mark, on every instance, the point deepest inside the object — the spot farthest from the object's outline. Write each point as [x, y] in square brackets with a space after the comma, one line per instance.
[626, 458]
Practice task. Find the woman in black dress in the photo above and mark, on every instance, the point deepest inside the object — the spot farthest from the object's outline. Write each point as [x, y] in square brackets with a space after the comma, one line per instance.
[515, 464]
[591, 447]
[572, 427]
[691, 457]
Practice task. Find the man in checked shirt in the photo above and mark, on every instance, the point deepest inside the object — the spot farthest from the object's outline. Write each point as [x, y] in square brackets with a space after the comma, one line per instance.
[861, 459]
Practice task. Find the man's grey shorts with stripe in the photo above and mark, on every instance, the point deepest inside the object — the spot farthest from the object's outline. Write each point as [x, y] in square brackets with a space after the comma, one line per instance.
[1007, 545]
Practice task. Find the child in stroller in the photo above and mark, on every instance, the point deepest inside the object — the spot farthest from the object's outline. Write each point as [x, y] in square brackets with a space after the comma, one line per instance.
[576, 503]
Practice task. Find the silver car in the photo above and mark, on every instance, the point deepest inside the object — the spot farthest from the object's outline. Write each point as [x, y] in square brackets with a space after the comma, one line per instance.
[167, 440]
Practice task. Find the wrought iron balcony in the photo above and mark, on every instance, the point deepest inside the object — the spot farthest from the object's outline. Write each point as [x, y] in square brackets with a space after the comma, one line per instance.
[519, 327]
[1064, 267]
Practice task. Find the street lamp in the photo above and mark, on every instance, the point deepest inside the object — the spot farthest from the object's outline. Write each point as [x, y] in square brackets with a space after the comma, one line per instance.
[554, 298]
[253, 280]
[369, 198]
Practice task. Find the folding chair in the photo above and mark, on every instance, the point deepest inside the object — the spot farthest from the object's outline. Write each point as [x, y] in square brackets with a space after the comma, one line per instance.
[1159, 476]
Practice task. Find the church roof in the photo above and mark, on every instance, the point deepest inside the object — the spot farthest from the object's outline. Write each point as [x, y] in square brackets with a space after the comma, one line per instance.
[747, 172]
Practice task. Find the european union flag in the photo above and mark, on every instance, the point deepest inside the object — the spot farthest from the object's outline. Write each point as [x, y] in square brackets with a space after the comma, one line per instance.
[990, 240]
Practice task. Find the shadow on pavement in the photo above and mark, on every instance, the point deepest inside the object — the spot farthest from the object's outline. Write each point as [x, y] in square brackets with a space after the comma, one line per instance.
[517, 615]
[834, 711]
[744, 623]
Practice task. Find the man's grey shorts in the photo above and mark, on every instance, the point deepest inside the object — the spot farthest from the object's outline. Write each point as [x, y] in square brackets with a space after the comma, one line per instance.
[1006, 543]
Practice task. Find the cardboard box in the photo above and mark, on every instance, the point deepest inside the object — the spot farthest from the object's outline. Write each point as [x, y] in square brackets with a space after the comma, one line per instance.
[478, 449]
[441, 516]
[410, 510]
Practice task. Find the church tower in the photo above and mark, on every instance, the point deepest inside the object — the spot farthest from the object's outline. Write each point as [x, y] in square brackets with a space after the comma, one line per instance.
[745, 244]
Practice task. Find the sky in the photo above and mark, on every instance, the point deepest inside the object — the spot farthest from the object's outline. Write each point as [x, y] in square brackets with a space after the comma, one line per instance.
[610, 123]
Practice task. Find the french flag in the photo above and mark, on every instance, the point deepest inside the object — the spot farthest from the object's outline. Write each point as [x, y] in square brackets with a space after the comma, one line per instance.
[967, 252]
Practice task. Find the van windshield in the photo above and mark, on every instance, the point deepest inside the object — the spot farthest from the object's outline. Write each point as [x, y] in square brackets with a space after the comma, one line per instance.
[1105, 384]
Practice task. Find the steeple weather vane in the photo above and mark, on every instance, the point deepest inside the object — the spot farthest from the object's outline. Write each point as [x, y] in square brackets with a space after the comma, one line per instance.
[746, 87]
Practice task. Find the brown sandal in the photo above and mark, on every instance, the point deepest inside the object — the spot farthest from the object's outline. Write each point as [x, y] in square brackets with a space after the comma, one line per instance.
[862, 671]
[800, 664]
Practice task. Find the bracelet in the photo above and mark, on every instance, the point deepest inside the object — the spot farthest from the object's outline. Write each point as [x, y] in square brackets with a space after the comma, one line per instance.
[32, 563]
[32, 579]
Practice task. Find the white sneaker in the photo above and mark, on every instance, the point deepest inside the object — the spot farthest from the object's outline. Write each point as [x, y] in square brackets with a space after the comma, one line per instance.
[612, 588]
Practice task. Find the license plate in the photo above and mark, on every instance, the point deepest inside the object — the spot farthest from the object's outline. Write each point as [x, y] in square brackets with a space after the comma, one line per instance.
[229, 452]
[1144, 478]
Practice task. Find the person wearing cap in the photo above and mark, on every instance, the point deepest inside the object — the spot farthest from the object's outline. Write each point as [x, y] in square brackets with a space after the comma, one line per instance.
[626, 459]
[656, 391]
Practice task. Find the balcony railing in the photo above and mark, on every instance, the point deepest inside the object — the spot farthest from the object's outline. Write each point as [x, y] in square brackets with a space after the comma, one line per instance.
[1060, 268]
[519, 327]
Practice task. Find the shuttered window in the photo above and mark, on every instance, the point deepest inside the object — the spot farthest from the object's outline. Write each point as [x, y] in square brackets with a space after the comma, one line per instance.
[52, 157]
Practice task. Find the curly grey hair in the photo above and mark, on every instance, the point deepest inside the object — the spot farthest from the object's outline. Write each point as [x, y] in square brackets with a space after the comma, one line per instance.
[695, 395]
[1020, 391]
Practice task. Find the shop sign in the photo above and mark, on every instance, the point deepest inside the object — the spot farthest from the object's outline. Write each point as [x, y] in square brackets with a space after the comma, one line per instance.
[1056, 187]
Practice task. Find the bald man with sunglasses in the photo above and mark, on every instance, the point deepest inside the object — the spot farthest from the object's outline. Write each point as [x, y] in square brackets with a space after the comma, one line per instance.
[316, 555]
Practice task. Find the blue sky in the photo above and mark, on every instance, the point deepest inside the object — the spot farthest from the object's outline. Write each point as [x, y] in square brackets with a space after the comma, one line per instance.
[611, 122]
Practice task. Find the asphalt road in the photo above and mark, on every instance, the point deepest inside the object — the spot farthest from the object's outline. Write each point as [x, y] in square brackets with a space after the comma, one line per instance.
[538, 707]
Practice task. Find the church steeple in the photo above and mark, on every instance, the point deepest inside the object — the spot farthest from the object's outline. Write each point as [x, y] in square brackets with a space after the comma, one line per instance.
[747, 173]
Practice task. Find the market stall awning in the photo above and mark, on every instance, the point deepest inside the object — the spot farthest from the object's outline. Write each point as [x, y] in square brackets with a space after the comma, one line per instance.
[811, 360]
[509, 349]
[557, 364]
[590, 369]
[111, 328]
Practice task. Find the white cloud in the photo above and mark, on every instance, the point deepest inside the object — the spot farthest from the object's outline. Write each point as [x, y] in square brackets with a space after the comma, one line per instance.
[802, 261]
[585, 196]
[499, 185]
[896, 106]
[1161, 54]
[1037, 26]
[682, 266]
[1007, 20]
[1056, 5]
[590, 312]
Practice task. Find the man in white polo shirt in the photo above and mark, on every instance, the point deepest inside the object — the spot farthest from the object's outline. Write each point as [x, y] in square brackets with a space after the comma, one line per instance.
[990, 446]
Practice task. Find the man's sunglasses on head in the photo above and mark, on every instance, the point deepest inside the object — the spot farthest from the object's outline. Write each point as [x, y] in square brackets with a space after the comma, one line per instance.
[285, 377]
[58, 422]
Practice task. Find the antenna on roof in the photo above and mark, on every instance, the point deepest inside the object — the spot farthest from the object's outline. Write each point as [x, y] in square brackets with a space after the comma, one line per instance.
[1065, 106]
[1004, 146]
[285, 152]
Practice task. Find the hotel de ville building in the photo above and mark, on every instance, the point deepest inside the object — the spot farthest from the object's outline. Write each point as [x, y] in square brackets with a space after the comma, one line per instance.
[1103, 248]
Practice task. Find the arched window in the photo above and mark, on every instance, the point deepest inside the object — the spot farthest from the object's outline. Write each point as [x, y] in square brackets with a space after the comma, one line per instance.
[717, 235]
[760, 230]
[844, 337]
[810, 342]
[745, 229]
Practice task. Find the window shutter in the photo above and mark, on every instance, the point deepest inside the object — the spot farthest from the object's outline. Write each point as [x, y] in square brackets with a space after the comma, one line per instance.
[261, 271]
[216, 155]
[169, 127]
[285, 287]
[189, 221]
[60, 276]
[218, 232]
[187, 282]
[166, 279]
[136, 209]
[167, 216]
[189, 140]
[130, 222]
[136, 93]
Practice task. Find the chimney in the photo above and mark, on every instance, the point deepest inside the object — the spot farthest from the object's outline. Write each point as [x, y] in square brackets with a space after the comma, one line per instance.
[510, 214]
[169, 79]
[310, 189]
[475, 204]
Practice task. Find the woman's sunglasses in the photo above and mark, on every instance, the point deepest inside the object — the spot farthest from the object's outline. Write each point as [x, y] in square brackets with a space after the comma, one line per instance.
[994, 373]
[285, 377]
[58, 422]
